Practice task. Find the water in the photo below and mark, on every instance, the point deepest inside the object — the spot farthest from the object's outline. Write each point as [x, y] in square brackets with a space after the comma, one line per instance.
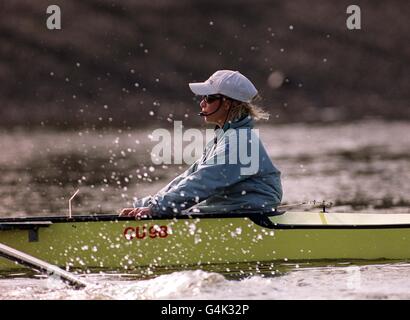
[304, 281]
[361, 167]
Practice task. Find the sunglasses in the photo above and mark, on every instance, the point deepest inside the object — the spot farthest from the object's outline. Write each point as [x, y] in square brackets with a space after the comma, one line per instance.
[212, 98]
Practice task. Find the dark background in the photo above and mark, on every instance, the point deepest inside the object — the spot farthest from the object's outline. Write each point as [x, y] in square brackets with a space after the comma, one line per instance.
[64, 78]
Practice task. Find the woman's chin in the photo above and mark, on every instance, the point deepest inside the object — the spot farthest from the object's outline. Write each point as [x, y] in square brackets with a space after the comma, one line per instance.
[211, 121]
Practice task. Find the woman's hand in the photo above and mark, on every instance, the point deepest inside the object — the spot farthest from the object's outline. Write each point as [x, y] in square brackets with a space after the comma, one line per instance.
[138, 213]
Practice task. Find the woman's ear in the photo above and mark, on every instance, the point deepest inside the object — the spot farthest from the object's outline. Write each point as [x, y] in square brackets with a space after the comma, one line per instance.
[227, 104]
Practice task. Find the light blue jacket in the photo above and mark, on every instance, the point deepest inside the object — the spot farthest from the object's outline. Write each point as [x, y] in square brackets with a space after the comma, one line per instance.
[218, 183]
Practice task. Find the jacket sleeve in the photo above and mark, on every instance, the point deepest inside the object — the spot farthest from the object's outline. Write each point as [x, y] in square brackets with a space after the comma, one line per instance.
[211, 177]
[178, 179]
[145, 202]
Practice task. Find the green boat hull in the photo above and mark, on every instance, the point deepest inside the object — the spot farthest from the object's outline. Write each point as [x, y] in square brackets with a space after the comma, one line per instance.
[122, 244]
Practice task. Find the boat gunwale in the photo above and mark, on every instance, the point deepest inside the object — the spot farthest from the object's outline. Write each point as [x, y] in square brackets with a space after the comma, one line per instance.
[116, 218]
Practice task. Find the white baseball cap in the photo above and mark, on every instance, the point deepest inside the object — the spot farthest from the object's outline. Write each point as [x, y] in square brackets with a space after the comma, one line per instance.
[229, 83]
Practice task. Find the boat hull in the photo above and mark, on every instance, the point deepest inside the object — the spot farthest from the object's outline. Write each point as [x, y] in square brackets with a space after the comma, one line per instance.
[120, 244]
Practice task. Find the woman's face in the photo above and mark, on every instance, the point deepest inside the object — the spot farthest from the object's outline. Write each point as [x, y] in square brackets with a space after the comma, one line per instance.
[209, 105]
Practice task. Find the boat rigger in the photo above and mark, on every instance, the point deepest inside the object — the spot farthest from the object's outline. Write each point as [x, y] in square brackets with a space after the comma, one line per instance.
[32, 262]
[122, 243]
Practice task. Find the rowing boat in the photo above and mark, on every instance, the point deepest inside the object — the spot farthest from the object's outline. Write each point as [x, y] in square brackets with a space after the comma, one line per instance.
[123, 243]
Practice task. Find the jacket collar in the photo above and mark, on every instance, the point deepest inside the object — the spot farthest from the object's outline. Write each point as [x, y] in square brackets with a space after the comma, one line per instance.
[244, 122]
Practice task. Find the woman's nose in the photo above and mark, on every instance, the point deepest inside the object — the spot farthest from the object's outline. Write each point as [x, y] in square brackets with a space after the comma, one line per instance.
[202, 104]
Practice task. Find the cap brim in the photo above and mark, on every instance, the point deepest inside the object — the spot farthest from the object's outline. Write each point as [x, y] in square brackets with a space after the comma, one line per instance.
[202, 88]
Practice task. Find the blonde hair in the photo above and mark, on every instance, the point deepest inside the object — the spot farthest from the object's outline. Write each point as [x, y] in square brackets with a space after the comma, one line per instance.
[241, 109]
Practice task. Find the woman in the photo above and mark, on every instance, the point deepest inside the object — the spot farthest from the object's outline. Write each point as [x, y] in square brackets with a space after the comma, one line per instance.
[220, 181]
